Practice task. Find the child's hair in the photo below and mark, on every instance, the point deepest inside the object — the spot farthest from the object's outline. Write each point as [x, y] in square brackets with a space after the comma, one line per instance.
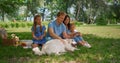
[71, 24]
[35, 23]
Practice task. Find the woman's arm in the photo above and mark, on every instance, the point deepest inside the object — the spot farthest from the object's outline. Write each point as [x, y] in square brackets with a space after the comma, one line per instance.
[65, 35]
[72, 35]
[77, 34]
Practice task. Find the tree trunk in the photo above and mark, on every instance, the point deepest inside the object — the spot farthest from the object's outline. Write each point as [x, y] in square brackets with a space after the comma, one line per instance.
[43, 14]
[66, 8]
[77, 12]
[3, 16]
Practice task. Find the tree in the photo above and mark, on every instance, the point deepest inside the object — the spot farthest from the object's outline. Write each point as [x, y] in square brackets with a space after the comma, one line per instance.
[9, 7]
[89, 9]
[33, 7]
[58, 5]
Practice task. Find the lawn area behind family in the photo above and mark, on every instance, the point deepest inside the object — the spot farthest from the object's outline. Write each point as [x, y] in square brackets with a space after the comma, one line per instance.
[105, 42]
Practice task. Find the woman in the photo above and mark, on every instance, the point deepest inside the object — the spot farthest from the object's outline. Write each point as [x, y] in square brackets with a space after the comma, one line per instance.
[38, 34]
[77, 36]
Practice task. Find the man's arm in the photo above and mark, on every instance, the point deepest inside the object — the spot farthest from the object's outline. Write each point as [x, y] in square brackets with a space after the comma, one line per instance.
[65, 35]
[52, 34]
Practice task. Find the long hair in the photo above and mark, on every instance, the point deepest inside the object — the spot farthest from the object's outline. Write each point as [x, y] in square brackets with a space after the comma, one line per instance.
[35, 23]
[68, 25]
[71, 24]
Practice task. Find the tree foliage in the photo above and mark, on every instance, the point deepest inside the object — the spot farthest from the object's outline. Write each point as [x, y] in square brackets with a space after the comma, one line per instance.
[83, 10]
[9, 7]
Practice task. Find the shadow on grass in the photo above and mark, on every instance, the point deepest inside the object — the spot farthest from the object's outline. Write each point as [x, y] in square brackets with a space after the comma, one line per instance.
[104, 50]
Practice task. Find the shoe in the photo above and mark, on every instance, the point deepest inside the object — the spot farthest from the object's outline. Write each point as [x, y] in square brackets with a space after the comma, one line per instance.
[87, 45]
[36, 51]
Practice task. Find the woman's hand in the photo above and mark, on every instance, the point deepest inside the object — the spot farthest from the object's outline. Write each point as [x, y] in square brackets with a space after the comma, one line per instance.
[77, 34]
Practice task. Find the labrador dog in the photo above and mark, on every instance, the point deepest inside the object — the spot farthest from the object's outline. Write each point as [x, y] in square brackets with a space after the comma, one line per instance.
[55, 46]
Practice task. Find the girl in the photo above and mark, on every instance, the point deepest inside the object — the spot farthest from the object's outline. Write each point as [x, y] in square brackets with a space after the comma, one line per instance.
[77, 36]
[38, 34]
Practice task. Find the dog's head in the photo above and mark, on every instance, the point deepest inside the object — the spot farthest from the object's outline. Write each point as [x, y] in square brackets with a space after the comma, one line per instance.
[69, 45]
[70, 41]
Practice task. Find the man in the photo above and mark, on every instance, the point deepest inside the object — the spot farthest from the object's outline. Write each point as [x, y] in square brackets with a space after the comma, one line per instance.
[56, 29]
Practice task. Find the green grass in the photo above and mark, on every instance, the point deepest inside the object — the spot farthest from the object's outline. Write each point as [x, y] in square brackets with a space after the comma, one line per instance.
[105, 41]
[101, 31]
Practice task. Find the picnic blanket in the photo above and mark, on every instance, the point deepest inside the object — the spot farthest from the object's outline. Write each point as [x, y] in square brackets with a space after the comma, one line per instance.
[26, 43]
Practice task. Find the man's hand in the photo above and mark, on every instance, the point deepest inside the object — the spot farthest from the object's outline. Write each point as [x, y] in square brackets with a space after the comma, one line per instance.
[63, 41]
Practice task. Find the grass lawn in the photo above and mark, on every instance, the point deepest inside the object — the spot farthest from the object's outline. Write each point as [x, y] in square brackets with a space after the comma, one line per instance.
[105, 41]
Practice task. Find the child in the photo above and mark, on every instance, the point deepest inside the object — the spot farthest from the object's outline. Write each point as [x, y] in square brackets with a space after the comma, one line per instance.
[77, 36]
[38, 34]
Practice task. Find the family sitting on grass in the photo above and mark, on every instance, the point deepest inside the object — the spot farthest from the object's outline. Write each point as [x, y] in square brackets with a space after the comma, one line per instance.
[61, 35]
[58, 30]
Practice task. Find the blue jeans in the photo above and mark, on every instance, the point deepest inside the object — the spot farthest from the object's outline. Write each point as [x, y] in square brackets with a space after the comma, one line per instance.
[78, 39]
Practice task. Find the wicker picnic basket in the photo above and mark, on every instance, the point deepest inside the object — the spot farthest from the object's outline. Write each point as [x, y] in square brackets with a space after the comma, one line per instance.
[8, 42]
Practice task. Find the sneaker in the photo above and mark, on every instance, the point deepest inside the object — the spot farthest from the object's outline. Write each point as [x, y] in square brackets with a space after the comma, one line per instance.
[87, 45]
[36, 51]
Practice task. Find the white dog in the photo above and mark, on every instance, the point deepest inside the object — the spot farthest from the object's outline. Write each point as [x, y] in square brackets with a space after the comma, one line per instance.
[55, 46]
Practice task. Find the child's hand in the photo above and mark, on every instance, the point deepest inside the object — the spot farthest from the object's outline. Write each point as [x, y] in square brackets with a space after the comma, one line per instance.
[35, 38]
[41, 37]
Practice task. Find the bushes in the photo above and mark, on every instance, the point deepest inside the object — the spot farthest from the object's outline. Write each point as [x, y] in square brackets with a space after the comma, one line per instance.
[15, 24]
[101, 21]
[78, 23]
[29, 24]
[6, 25]
[23, 25]
[12, 25]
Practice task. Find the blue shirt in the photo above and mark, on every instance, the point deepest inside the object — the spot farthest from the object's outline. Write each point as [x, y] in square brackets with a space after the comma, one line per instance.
[57, 29]
[38, 33]
[67, 31]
